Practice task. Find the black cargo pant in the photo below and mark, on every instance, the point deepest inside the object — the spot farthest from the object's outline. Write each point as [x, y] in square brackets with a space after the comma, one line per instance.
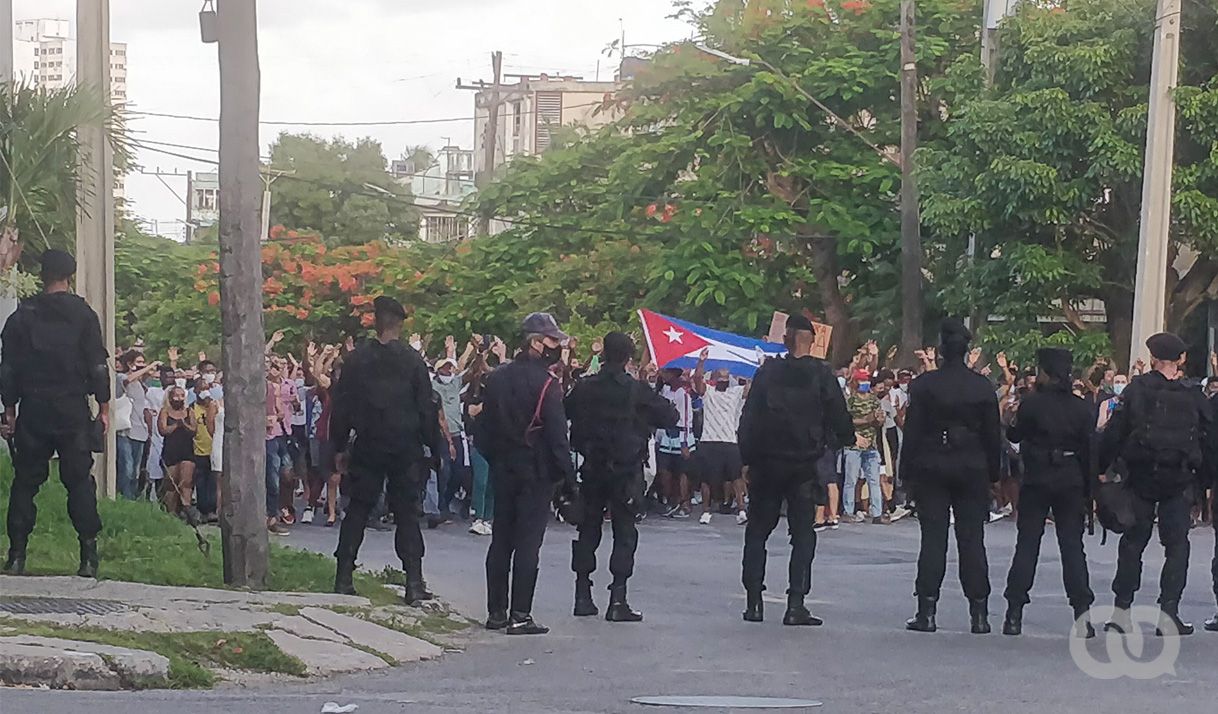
[1069, 507]
[769, 485]
[620, 489]
[522, 510]
[967, 496]
[46, 427]
[1175, 516]
[399, 476]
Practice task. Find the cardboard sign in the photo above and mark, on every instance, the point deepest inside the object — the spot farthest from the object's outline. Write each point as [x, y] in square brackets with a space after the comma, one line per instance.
[824, 333]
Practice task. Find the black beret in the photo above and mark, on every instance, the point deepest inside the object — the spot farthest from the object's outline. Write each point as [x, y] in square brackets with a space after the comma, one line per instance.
[1056, 361]
[1166, 346]
[57, 263]
[800, 323]
[952, 329]
[384, 305]
[618, 347]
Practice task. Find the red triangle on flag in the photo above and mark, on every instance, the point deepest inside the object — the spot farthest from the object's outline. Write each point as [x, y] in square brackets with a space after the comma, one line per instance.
[668, 341]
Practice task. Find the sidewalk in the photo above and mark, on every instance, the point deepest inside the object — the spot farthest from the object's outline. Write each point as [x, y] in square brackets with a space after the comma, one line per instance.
[314, 634]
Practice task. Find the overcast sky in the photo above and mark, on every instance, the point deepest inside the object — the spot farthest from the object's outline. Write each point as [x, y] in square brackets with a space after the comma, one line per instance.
[351, 60]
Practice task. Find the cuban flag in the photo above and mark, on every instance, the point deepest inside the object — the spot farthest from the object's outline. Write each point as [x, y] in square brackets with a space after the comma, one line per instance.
[677, 343]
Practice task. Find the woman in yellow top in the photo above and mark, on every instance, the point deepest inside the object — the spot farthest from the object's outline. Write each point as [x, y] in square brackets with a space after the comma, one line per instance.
[207, 486]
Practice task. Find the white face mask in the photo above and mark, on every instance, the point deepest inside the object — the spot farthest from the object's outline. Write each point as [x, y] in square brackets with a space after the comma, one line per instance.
[445, 378]
[181, 382]
[841, 382]
[209, 377]
[1117, 388]
[417, 345]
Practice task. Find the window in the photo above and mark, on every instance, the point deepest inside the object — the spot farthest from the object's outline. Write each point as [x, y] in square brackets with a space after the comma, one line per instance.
[517, 117]
[445, 228]
[549, 115]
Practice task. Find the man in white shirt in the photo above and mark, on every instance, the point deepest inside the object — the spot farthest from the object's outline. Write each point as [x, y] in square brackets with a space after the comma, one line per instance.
[675, 446]
[154, 400]
[718, 462]
[131, 442]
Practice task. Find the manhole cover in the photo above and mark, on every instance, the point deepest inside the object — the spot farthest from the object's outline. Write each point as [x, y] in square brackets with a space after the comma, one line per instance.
[59, 606]
[727, 702]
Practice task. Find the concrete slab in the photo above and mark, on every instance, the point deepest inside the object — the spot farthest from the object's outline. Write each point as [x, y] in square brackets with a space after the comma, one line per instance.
[131, 665]
[306, 628]
[323, 657]
[398, 645]
[35, 665]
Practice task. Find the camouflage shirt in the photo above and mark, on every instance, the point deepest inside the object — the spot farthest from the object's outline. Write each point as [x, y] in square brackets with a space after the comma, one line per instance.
[864, 406]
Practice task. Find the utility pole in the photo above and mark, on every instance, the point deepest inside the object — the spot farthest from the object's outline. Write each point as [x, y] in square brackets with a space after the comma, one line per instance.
[1150, 286]
[190, 203]
[243, 491]
[95, 197]
[268, 176]
[911, 224]
[491, 140]
[6, 41]
[995, 11]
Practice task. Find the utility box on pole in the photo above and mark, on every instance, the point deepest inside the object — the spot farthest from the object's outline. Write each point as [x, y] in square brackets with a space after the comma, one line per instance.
[95, 217]
[243, 522]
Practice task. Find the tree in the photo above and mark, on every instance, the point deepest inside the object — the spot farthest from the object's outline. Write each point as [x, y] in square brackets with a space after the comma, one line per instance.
[1045, 169]
[341, 190]
[40, 166]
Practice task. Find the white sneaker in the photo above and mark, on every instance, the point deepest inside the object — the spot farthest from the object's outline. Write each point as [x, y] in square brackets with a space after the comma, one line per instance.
[307, 516]
[475, 528]
[742, 518]
[484, 529]
[299, 489]
[705, 519]
[899, 512]
[996, 516]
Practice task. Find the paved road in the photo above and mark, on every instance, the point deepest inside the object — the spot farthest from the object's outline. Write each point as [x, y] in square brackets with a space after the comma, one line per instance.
[693, 641]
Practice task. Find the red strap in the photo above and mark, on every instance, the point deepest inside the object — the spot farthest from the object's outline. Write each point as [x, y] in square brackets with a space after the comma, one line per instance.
[535, 422]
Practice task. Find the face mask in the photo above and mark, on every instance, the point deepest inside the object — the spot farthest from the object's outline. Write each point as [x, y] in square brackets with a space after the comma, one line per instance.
[445, 378]
[1118, 388]
[181, 382]
[864, 387]
[203, 396]
[154, 383]
[841, 382]
[209, 378]
[722, 385]
[216, 393]
[417, 346]
[551, 355]
[177, 403]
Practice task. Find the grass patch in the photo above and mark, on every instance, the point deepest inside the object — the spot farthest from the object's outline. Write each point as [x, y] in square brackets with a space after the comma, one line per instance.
[141, 543]
[190, 654]
[282, 609]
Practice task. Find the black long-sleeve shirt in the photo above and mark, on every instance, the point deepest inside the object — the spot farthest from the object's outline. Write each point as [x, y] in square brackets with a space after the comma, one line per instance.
[523, 425]
[1055, 430]
[952, 425]
[385, 395]
[794, 410]
[613, 416]
[52, 347]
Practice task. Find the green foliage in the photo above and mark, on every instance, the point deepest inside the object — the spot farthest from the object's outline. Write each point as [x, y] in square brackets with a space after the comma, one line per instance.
[326, 189]
[1045, 169]
[40, 168]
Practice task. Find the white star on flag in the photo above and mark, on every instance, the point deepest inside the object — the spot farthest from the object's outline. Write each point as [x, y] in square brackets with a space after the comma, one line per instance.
[673, 335]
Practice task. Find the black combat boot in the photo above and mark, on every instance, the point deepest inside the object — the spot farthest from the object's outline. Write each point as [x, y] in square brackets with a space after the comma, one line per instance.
[416, 586]
[1082, 623]
[1012, 624]
[344, 575]
[15, 563]
[1121, 622]
[619, 610]
[1175, 626]
[497, 620]
[979, 617]
[753, 610]
[924, 620]
[1211, 625]
[88, 558]
[797, 614]
[585, 606]
[522, 623]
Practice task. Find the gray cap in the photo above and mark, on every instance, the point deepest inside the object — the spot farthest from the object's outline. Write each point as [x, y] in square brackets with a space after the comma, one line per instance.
[542, 323]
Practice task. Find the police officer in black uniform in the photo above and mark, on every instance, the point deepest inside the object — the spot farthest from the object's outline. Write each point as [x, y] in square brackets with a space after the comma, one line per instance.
[1054, 429]
[1159, 431]
[53, 359]
[793, 408]
[523, 435]
[951, 455]
[613, 416]
[384, 395]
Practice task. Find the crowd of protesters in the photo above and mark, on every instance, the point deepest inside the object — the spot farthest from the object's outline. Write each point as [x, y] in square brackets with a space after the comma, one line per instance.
[169, 419]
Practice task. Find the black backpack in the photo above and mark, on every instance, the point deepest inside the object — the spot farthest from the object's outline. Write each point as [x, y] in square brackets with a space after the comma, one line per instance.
[1166, 429]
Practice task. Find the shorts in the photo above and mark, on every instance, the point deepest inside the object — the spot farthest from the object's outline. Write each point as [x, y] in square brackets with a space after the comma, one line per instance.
[716, 463]
[674, 464]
